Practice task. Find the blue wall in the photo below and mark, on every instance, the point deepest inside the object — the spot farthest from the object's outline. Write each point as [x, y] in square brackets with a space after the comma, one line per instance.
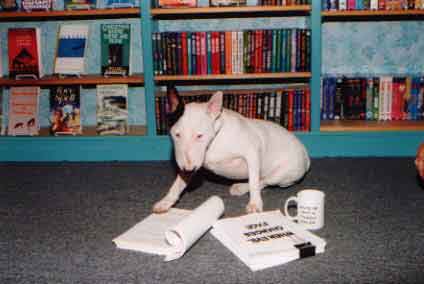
[373, 48]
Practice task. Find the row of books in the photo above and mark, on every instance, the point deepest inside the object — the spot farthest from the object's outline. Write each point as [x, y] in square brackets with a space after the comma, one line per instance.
[65, 111]
[374, 98]
[231, 52]
[372, 4]
[289, 107]
[24, 50]
[225, 3]
[48, 5]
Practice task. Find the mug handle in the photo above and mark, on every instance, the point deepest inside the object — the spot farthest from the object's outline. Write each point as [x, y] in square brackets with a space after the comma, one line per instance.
[286, 212]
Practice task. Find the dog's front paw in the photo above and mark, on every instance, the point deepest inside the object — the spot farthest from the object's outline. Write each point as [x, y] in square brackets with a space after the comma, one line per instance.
[162, 206]
[238, 189]
[253, 208]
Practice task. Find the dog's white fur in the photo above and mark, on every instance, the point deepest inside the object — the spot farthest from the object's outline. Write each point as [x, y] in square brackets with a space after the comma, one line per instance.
[236, 147]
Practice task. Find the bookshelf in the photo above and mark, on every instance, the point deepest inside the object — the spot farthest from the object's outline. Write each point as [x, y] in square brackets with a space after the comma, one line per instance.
[20, 16]
[87, 80]
[338, 138]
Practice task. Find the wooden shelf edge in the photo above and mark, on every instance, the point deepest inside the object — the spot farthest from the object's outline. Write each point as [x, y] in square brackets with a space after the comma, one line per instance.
[52, 80]
[371, 13]
[226, 10]
[248, 76]
[89, 14]
[90, 131]
[367, 126]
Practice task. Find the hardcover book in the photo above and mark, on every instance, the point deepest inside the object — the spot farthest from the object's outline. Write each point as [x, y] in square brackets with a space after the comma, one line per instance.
[24, 53]
[65, 114]
[115, 49]
[71, 48]
[23, 111]
[34, 5]
[80, 4]
[112, 109]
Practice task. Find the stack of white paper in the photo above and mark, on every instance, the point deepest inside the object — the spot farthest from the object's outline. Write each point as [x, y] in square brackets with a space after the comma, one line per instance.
[172, 233]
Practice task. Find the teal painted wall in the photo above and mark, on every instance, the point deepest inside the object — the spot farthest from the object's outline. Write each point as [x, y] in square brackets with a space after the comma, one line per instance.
[373, 48]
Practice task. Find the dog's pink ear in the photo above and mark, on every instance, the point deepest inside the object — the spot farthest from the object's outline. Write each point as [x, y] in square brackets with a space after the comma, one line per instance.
[215, 104]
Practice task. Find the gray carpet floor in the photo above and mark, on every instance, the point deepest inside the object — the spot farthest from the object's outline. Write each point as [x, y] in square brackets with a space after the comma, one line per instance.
[58, 220]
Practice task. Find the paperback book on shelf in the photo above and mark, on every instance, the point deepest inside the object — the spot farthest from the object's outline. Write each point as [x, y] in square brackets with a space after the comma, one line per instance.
[71, 49]
[225, 3]
[115, 49]
[266, 239]
[8, 5]
[23, 111]
[176, 3]
[171, 233]
[35, 5]
[24, 52]
[112, 109]
[65, 113]
[120, 3]
[80, 4]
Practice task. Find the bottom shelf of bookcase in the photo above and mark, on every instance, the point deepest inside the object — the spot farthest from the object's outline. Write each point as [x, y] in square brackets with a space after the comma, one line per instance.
[155, 148]
[366, 125]
[91, 131]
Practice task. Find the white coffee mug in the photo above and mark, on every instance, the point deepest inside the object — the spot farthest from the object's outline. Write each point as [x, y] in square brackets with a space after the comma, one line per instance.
[310, 209]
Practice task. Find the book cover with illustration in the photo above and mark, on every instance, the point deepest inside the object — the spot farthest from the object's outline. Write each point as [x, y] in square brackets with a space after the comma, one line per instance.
[112, 109]
[80, 4]
[115, 49]
[71, 49]
[37, 5]
[120, 3]
[65, 112]
[24, 53]
[23, 111]
[176, 3]
[8, 5]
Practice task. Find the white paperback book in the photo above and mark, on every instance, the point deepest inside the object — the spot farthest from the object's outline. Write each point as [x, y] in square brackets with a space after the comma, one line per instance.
[172, 233]
[266, 239]
[71, 49]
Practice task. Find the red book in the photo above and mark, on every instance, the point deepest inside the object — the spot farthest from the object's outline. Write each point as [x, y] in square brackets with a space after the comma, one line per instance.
[290, 119]
[24, 53]
[184, 51]
[203, 54]
[307, 101]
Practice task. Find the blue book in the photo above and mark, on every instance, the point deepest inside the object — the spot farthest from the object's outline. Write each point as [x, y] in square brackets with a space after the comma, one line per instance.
[120, 3]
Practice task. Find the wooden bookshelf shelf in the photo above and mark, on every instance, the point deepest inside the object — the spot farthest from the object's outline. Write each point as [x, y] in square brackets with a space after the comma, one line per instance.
[235, 77]
[90, 131]
[216, 12]
[70, 14]
[372, 15]
[364, 125]
[53, 80]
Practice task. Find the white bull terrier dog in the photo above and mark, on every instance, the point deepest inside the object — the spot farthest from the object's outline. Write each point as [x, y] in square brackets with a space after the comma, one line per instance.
[229, 144]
